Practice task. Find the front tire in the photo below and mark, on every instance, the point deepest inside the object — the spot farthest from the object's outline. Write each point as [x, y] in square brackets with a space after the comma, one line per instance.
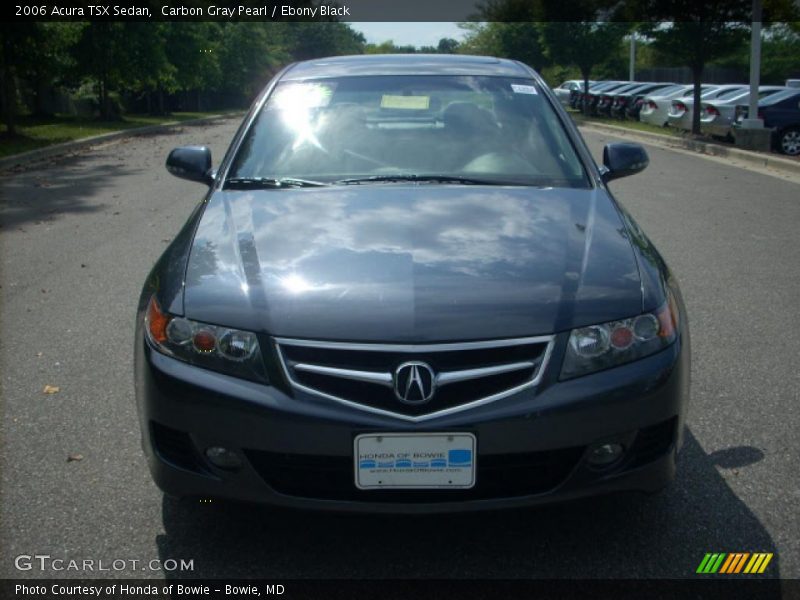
[789, 141]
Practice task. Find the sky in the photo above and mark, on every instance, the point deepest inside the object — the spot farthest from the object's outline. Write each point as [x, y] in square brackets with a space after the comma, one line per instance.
[404, 34]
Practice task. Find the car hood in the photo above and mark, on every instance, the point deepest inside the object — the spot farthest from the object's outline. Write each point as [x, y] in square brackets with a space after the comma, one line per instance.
[412, 263]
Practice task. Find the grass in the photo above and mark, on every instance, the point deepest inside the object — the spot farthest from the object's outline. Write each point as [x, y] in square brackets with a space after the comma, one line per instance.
[628, 124]
[38, 132]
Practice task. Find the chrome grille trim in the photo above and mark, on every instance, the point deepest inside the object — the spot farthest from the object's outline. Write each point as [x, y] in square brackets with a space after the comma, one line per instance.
[465, 375]
[380, 378]
[368, 376]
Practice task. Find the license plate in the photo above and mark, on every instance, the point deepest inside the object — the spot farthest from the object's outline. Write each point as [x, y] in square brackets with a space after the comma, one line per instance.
[414, 460]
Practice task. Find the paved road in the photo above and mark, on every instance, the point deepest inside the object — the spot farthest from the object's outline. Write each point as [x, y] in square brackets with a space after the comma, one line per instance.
[78, 238]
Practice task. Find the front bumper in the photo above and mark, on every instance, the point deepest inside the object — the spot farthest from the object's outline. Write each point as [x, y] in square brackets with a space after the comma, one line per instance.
[298, 451]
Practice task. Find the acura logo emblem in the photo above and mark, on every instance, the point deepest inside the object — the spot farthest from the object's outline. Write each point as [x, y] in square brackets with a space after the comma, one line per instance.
[414, 383]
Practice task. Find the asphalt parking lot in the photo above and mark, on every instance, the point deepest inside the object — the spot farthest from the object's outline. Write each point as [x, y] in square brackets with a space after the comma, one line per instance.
[80, 234]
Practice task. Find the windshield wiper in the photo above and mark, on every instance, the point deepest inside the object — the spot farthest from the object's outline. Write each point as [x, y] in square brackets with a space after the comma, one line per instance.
[254, 183]
[413, 177]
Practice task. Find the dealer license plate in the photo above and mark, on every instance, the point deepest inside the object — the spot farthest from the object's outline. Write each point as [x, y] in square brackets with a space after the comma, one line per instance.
[415, 460]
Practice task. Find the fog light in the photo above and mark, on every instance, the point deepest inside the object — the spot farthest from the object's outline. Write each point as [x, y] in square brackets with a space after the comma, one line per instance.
[223, 458]
[602, 455]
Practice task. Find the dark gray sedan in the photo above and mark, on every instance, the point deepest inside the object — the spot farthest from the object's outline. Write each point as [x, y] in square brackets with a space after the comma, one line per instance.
[409, 288]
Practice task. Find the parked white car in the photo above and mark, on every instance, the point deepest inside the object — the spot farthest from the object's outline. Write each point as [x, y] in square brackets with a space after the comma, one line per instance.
[717, 116]
[681, 110]
[563, 91]
[656, 107]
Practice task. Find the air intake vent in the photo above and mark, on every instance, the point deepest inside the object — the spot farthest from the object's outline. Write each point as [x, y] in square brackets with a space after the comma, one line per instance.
[176, 448]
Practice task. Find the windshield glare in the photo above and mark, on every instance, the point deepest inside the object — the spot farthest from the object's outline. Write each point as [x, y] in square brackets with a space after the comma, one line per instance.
[492, 128]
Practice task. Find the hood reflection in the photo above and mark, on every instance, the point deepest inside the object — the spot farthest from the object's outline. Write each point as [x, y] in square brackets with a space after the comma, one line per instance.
[400, 259]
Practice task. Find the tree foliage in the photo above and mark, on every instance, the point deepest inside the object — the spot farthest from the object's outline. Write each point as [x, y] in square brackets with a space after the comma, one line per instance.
[517, 40]
[149, 60]
[584, 44]
[306, 40]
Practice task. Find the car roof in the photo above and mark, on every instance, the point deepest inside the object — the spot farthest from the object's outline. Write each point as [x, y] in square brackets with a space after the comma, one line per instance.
[605, 84]
[619, 85]
[626, 87]
[405, 64]
[738, 97]
[644, 85]
[781, 94]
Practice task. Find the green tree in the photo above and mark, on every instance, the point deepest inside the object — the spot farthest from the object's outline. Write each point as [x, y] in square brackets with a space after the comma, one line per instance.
[780, 54]
[249, 54]
[584, 44]
[14, 37]
[194, 51]
[447, 46]
[389, 47]
[37, 53]
[695, 43]
[102, 56]
[693, 34]
[516, 40]
[315, 39]
[193, 48]
[47, 59]
[545, 32]
[150, 70]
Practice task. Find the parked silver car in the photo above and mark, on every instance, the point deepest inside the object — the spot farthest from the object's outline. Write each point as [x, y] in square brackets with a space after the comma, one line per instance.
[716, 116]
[681, 110]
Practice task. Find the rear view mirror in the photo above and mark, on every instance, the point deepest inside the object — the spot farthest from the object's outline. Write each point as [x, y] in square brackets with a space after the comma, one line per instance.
[192, 163]
[623, 159]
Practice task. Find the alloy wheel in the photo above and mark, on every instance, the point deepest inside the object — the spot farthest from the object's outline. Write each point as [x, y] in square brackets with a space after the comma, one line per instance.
[790, 142]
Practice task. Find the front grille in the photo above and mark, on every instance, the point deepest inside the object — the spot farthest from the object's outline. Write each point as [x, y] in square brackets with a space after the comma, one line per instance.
[465, 374]
[332, 477]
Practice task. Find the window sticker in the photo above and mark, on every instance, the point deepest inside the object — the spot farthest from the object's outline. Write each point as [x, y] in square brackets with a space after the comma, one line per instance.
[406, 102]
[523, 89]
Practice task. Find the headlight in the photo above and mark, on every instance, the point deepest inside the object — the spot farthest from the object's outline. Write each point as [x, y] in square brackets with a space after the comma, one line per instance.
[222, 349]
[599, 347]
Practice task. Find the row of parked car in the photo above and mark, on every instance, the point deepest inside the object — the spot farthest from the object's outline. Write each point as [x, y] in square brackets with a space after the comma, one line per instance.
[722, 109]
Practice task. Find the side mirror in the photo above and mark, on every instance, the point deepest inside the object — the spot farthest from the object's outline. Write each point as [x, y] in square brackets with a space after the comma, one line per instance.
[192, 163]
[623, 159]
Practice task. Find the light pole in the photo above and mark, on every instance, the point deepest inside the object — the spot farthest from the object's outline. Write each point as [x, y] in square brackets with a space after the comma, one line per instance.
[752, 121]
[752, 134]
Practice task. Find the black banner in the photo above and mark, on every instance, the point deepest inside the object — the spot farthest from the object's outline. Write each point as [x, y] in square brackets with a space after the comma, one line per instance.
[243, 10]
[384, 10]
[727, 587]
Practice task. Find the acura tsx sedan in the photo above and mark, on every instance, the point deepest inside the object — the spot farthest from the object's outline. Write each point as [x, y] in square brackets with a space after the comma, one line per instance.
[408, 288]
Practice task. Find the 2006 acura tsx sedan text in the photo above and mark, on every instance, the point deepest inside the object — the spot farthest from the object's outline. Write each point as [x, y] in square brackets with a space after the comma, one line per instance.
[409, 289]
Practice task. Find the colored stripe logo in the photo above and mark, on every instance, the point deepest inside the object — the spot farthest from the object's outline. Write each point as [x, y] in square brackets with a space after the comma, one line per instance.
[734, 562]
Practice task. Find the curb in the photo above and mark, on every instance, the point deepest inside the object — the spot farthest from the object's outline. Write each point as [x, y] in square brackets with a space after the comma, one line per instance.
[775, 162]
[40, 154]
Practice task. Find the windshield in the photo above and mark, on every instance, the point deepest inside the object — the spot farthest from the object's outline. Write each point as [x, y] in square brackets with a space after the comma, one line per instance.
[491, 129]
